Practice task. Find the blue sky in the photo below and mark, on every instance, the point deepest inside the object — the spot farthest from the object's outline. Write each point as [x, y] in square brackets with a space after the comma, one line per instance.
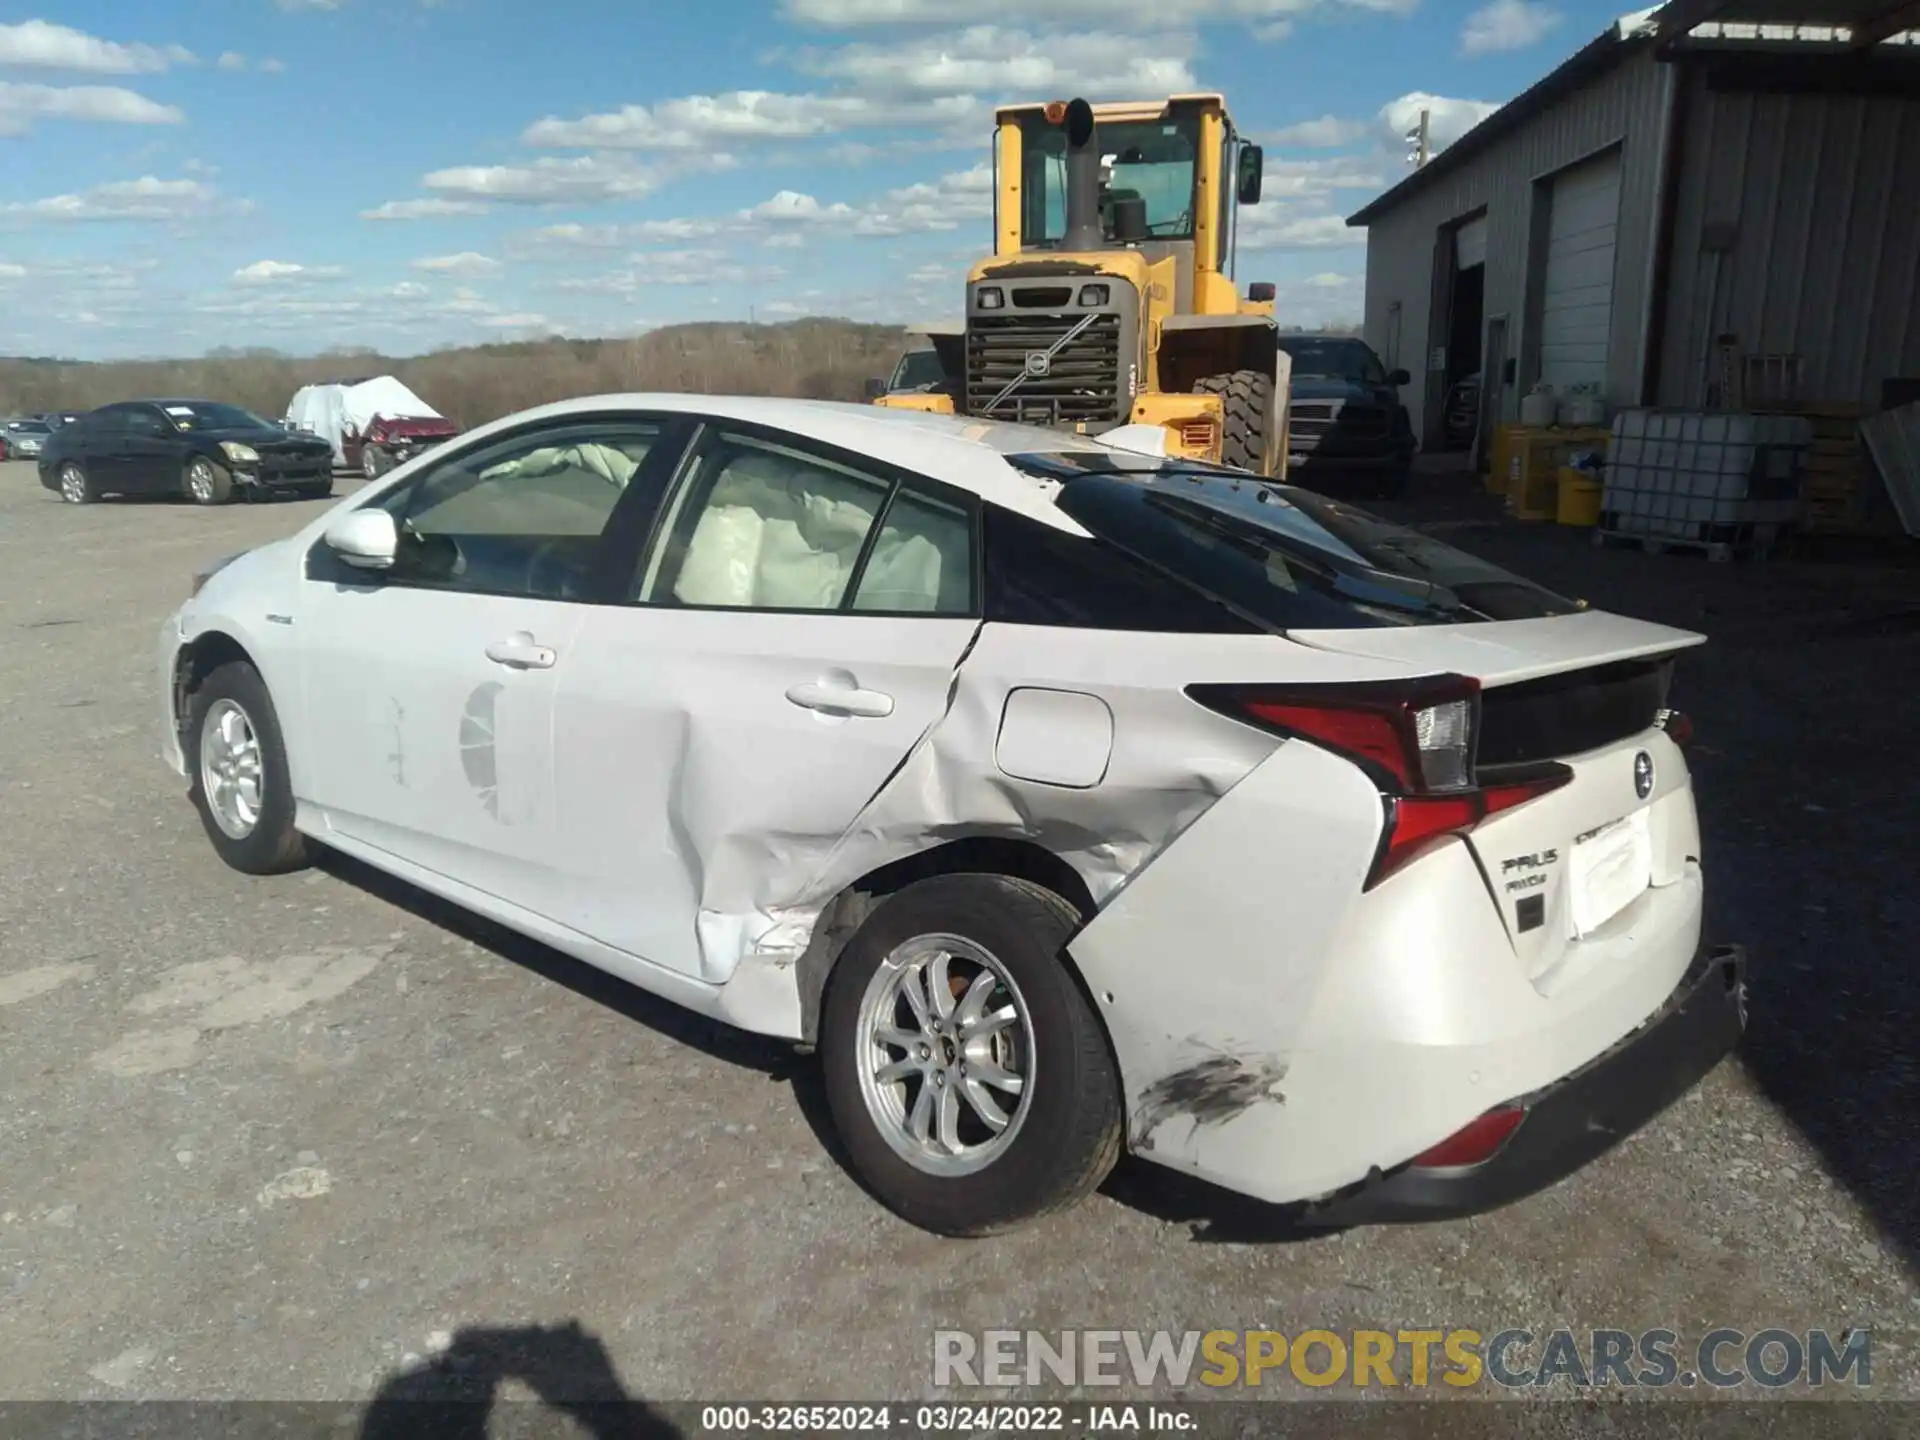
[413, 173]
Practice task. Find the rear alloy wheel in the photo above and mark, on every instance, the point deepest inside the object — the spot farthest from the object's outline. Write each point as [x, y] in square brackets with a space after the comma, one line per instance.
[967, 1072]
[1246, 397]
[374, 462]
[238, 767]
[207, 483]
[75, 487]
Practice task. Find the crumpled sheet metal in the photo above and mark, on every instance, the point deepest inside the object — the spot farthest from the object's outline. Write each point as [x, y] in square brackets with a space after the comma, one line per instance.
[761, 895]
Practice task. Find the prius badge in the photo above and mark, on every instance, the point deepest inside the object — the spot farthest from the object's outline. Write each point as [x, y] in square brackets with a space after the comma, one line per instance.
[1643, 774]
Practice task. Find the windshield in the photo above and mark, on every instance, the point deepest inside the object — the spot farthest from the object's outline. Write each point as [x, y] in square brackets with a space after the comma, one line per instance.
[1153, 159]
[918, 370]
[208, 415]
[1283, 557]
[1333, 359]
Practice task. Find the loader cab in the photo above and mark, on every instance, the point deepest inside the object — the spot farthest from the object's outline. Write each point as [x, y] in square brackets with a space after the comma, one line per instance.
[1173, 175]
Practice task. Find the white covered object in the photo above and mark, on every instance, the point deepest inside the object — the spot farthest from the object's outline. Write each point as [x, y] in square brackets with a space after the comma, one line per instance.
[334, 411]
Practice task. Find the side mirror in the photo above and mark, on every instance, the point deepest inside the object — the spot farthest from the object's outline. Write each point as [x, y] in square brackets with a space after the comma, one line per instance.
[875, 389]
[1252, 161]
[364, 539]
[1397, 378]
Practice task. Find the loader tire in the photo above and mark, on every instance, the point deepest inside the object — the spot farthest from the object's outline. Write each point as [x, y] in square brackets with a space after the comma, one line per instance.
[1247, 398]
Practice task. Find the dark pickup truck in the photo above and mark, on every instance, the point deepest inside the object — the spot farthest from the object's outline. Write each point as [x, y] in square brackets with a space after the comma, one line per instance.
[203, 450]
[1348, 433]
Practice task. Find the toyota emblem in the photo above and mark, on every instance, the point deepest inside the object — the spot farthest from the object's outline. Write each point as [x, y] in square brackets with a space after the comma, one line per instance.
[1643, 774]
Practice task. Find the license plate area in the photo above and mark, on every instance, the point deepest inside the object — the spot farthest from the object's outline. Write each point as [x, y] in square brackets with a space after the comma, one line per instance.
[1607, 870]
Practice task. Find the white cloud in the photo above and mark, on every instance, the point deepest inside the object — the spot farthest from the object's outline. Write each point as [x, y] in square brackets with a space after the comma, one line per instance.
[22, 105]
[1329, 280]
[428, 209]
[145, 199]
[565, 240]
[547, 181]
[308, 4]
[697, 122]
[409, 290]
[1300, 179]
[272, 65]
[1447, 120]
[42, 45]
[1264, 229]
[467, 264]
[1503, 25]
[990, 61]
[1273, 31]
[11, 271]
[790, 207]
[848, 14]
[785, 240]
[961, 198]
[231, 60]
[518, 320]
[1329, 132]
[273, 272]
[673, 267]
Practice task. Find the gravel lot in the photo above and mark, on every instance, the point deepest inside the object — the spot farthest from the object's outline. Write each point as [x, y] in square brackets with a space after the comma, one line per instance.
[281, 1139]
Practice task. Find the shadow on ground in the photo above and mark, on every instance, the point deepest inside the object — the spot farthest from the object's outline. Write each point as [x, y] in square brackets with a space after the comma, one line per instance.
[455, 1395]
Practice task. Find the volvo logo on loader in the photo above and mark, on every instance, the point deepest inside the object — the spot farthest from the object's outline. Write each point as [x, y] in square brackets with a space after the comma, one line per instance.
[1039, 363]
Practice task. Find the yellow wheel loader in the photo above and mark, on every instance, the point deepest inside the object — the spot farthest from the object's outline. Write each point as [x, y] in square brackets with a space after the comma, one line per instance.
[1109, 298]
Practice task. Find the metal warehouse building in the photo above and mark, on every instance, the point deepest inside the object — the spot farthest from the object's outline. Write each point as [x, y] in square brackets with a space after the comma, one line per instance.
[1713, 188]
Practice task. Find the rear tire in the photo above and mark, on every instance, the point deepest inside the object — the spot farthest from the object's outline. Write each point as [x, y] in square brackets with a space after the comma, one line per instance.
[206, 483]
[374, 462]
[76, 486]
[1247, 399]
[245, 802]
[1061, 1130]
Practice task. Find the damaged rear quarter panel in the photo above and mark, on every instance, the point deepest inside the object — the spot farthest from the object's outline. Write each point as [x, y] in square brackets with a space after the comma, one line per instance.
[1206, 966]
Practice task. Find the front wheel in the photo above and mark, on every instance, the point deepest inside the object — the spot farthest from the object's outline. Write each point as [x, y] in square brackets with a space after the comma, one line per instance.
[966, 1070]
[1246, 397]
[240, 782]
[207, 483]
[75, 487]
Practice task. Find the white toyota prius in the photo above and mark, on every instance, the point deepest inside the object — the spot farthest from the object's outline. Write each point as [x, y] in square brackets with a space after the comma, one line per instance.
[1064, 796]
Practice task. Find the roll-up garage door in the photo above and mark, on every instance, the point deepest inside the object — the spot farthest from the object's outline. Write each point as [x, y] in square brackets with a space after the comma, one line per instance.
[1577, 306]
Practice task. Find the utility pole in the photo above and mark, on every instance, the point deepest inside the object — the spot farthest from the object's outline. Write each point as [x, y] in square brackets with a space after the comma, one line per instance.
[1419, 151]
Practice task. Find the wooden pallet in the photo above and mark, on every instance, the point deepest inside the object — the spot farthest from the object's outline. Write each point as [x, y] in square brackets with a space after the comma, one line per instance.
[1834, 466]
[1751, 542]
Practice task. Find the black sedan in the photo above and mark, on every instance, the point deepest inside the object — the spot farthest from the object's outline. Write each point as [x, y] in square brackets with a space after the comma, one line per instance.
[204, 450]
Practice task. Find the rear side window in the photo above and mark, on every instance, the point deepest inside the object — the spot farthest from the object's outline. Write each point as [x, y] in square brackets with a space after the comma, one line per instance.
[1039, 575]
[1280, 557]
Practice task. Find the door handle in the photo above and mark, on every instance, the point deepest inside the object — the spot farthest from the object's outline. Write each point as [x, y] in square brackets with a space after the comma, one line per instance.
[844, 700]
[520, 652]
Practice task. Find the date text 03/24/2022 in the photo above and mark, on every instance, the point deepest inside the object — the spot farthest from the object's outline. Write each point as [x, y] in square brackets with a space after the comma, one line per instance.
[941, 1419]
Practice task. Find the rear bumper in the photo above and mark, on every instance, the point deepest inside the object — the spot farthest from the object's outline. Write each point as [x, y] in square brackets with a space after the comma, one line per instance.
[1578, 1118]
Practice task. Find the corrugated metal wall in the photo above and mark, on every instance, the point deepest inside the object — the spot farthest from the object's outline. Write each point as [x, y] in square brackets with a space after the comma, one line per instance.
[1818, 197]
[1622, 107]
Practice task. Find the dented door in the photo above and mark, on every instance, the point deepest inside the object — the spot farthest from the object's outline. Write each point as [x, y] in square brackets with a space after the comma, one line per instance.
[707, 762]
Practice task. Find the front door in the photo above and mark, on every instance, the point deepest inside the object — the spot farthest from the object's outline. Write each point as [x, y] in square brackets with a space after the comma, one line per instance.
[794, 632]
[153, 456]
[429, 689]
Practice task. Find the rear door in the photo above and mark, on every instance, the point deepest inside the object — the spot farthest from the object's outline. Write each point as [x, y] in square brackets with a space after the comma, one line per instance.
[793, 631]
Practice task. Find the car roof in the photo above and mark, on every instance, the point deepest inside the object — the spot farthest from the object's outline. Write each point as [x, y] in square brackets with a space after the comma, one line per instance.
[965, 453]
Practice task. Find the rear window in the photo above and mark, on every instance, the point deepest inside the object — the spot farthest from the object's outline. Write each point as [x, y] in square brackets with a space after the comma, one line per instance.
[1277, 556]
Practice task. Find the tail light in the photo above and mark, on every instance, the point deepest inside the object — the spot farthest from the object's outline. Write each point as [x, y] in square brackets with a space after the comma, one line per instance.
[1476, 1141]
[1413, 739]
